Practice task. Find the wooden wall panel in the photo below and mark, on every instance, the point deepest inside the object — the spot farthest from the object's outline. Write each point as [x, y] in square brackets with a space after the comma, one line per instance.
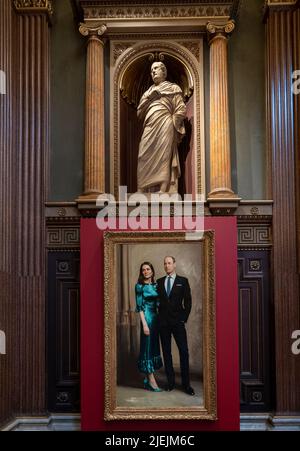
[63, 331]
[255, 336]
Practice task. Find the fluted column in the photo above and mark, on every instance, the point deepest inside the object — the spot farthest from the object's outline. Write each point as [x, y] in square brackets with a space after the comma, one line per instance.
[296, 35]
[31, 165]
[94, 172]
[220, 164]
[7, 248]
[280, 42]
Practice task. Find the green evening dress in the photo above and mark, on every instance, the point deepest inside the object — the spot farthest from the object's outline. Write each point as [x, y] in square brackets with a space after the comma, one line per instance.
[147, 301]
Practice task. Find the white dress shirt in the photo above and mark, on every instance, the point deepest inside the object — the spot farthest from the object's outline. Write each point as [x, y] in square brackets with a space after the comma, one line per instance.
[172, 280]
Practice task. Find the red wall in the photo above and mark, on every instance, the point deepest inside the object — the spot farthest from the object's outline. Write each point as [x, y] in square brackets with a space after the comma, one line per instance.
[92, 336]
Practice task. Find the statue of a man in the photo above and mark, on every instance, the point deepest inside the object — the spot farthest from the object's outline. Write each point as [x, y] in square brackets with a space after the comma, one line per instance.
[163, 110]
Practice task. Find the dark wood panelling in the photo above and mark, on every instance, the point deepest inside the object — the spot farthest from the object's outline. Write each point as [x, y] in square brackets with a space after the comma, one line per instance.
[8, 307]
[296, 61]
[255, 318]
[280, 117]
[63, 331]
[24, 151]
[32, 153]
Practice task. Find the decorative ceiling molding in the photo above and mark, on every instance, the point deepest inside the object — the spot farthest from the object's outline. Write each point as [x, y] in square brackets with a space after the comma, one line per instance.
[156, 12]
[34, 7]
[153, 15]
[155, 3]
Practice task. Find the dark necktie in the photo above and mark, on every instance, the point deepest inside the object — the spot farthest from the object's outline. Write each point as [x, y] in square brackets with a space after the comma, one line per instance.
[169, 286]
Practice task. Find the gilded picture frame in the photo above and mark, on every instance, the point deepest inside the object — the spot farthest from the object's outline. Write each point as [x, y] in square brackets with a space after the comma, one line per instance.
[114, 243]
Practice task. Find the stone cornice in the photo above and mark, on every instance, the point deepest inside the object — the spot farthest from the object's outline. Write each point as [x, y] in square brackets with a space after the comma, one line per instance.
[191, 15]
[156, 12]
[156, 3]
[34, 7]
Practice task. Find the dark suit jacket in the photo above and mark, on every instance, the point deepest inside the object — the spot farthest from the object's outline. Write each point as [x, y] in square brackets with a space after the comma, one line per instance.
[178, 306]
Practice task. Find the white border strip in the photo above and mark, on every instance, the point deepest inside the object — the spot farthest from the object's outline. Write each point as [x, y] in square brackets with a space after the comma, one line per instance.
[2, 82]
[55, 422]
[66, 422]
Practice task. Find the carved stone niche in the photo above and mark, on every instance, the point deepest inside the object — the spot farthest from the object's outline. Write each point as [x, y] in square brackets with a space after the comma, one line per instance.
[130, 78]
[137, 31]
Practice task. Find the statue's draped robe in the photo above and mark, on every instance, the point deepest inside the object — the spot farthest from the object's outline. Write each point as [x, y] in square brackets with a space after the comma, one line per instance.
[163, 129]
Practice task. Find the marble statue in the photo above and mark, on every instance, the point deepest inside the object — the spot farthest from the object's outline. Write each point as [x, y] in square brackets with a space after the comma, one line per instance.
[163, 111]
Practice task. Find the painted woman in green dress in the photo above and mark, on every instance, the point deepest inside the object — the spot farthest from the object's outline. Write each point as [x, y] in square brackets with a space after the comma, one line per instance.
[147, 301]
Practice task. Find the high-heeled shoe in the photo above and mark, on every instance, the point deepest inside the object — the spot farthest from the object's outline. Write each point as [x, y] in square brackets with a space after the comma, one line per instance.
[148, 386]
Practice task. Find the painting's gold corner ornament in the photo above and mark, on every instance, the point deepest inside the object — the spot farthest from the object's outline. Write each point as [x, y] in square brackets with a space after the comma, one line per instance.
[34, 7]
[92, 30]
[220, 30]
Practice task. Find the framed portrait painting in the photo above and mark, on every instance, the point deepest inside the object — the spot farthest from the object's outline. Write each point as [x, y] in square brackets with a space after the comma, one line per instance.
[185, 311]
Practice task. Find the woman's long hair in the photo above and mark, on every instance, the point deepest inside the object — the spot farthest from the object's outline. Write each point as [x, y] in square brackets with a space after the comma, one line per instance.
[141, 279]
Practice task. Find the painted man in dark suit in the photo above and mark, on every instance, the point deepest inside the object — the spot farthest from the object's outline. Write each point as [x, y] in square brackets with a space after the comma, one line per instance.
[174, 309]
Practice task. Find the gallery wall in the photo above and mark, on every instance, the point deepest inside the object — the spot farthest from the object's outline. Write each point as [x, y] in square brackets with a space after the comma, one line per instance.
[247, 101]
[68, 53]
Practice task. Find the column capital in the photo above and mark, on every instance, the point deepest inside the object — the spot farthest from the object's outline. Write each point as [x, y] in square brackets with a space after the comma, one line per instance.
[278, 5]
[34, 7]
[217, 30]
[92, 30]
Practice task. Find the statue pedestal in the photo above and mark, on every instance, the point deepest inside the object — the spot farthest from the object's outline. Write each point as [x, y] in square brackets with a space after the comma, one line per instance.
[223, 206]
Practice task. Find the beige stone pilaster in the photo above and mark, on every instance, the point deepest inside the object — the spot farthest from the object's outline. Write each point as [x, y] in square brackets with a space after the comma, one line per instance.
[94, 171]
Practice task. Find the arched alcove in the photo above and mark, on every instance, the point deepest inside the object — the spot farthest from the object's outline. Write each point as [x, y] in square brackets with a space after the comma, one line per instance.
[130, 78]
[136, 79]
